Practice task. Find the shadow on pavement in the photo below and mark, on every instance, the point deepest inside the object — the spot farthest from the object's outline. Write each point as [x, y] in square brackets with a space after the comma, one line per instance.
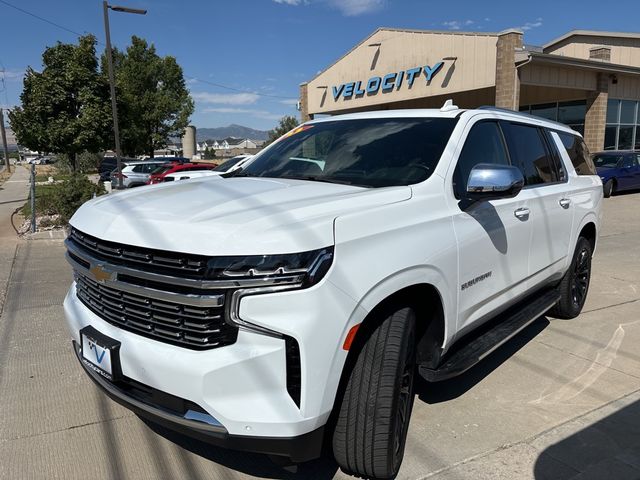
[609, 448]
[449, 389]
[249, 463]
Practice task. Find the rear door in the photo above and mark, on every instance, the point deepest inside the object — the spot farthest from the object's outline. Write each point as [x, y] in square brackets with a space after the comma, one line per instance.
[551, 209]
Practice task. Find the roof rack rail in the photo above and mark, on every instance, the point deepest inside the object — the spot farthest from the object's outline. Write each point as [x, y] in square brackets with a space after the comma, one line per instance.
[520, 114]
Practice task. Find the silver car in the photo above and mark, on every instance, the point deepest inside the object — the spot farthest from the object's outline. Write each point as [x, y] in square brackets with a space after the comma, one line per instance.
[135, 174]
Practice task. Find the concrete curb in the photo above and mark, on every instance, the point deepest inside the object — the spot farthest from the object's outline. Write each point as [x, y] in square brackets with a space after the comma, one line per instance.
[47, 235]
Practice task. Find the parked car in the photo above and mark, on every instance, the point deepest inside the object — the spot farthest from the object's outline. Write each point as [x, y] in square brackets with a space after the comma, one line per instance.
[109, 164]
[619, 170]
[296, 301]
[189, 174]
[234, 163]
[136, 174]
[159, 174]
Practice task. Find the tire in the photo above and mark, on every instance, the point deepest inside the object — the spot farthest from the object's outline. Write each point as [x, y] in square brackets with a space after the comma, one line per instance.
[608, 188]
[373, 420]
[574, 286]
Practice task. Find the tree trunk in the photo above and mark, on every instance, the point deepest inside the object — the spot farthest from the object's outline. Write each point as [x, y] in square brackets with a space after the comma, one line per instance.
[151, 150]
[73, 161]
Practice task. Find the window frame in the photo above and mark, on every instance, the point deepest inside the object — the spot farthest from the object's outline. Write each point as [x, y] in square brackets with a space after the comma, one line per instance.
[505, 124]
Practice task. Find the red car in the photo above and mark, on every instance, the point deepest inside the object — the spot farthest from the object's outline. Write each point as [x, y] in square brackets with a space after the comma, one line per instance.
[157, 176]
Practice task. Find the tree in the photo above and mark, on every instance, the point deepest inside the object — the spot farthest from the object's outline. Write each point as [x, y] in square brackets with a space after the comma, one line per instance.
[153, 101]
[209, 153]
[286, 124]
[65, 108]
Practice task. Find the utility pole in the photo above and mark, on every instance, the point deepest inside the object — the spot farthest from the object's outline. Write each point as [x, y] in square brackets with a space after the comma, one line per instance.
[112, 83]
[7, 163]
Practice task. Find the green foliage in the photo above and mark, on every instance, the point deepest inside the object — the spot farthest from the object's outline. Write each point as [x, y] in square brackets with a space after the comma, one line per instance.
[65, 108]
[286, 124]
[153, 101]
[86, 162]
[209, 153]
[63, 198]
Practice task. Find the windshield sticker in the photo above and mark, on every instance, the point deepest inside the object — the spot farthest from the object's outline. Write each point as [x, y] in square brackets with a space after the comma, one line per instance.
[296, 130]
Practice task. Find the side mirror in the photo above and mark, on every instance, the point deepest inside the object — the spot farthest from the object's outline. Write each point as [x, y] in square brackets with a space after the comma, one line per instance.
[488, 181]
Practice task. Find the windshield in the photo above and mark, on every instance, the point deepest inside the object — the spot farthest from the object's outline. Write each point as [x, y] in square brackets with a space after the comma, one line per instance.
[377, 152]
[607, 160]
[160, 170]
[223, 167]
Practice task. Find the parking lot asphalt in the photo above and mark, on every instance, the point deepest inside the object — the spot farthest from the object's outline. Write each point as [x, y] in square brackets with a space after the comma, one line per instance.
[561, 401]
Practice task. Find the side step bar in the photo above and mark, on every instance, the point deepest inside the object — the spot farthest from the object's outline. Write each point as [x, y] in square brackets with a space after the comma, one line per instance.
[471, 350]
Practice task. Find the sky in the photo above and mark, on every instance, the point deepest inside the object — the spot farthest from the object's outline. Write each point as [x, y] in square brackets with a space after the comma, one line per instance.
[243, 60]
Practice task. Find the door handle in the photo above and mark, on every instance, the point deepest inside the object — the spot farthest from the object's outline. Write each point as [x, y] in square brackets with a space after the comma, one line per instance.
[565, 202]
[522, 213]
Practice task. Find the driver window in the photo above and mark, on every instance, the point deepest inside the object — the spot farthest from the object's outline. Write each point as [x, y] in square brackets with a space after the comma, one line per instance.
[484, 144]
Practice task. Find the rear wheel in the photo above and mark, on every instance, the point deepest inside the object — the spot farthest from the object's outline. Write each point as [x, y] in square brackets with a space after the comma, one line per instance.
[373, 419]
[608, 188]
[575, 283]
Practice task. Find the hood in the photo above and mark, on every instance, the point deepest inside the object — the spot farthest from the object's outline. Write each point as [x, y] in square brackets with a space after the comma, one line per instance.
[234, 216]
[605, 170]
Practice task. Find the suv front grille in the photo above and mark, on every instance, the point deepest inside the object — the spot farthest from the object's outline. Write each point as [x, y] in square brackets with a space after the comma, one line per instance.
[157, 261]
[190, 326]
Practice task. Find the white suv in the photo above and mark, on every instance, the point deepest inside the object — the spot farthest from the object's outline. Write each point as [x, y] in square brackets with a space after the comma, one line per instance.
[297, 300]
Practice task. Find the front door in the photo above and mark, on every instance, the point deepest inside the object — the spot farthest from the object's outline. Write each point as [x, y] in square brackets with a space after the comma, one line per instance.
[493, 236]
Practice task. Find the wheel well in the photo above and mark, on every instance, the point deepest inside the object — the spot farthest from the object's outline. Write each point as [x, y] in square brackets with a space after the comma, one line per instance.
[425, 300]
[589, 232]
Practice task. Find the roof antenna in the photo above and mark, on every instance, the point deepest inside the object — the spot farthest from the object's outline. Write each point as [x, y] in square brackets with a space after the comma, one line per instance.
[448, 106]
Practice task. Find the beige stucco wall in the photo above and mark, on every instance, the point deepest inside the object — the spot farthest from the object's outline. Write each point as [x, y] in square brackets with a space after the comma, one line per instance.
[558, 76]
[624, 51]
[399, 50]
[627, 87]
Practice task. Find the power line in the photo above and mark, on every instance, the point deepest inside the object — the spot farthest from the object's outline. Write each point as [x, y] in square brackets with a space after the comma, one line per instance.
[39, 17]
[219, 85]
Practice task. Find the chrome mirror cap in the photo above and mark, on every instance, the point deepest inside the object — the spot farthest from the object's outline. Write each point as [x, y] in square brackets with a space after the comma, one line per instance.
[488, 180]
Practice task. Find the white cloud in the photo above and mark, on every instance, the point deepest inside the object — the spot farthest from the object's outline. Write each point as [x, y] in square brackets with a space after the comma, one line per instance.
[292, 102]
[349, 8]
[452, 25]
[226, 98]
[530, 25]
[245, 111]
[352, 8]
[457, 24]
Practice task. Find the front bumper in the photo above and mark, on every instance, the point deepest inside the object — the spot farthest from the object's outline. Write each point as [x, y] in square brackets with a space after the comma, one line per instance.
[244, 385]
[301, 448]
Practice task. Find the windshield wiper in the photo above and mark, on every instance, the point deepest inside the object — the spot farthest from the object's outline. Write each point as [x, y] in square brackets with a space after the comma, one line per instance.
[236, 173]
[314, 178]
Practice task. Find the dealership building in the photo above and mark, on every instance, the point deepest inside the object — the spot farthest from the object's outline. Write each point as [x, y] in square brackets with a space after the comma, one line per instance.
[586, 79]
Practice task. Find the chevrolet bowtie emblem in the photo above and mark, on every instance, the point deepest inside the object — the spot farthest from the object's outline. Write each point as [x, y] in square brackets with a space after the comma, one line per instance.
[101, 274]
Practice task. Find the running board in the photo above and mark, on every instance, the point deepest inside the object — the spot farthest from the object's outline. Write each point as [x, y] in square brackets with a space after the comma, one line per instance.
[465, 355]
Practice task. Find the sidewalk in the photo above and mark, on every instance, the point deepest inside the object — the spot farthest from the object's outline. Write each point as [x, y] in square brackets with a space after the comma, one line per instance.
[13, 194]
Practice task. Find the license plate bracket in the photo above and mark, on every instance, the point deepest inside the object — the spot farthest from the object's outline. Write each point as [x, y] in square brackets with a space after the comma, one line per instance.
[100, 353]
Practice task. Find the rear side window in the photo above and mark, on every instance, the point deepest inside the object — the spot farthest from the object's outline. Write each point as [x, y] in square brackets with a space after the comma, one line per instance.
[484, 144]
[529, 152]
[578, 153]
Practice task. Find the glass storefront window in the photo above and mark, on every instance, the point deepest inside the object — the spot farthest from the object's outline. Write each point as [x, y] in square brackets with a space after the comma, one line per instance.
[610, 134]
[625, 137]
[637, 145]
[613, 109]
[547, 110]
[572, 112]
[628, 111]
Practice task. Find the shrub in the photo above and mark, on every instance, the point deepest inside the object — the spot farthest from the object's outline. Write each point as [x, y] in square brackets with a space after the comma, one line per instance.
[69, 195]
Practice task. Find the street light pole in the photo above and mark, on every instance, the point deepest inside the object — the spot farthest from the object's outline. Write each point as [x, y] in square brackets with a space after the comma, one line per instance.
[112, 83]
[5, 149]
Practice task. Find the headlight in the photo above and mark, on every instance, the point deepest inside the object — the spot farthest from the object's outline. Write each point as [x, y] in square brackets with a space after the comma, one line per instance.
[260, 274]
[300, 269]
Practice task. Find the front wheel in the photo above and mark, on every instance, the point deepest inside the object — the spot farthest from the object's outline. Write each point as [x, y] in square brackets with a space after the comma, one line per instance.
[608, 188]
[373, 419]
[574, 286]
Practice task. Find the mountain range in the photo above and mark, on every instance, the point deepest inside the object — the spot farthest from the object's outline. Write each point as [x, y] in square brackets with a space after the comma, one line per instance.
[232, 130]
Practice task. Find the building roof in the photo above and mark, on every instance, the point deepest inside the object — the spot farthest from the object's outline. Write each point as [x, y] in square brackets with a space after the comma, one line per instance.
[598, 65]
[592, 33]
